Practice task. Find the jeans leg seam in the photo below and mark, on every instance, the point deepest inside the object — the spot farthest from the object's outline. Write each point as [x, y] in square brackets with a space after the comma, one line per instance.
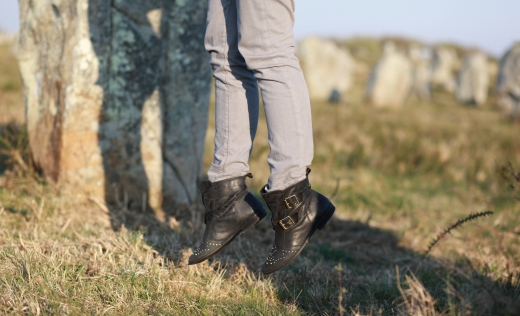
[226, 62]
[263, 18]
[298, 123]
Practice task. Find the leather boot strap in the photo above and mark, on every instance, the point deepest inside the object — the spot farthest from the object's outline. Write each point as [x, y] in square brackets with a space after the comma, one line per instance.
[290, 203]
[287, 222]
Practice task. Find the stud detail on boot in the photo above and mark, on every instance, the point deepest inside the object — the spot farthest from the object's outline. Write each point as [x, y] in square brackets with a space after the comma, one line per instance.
[297, 212]
[230, 210]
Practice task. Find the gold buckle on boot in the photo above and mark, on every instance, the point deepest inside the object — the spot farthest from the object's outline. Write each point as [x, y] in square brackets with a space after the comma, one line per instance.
[288, 205]
[284, 225]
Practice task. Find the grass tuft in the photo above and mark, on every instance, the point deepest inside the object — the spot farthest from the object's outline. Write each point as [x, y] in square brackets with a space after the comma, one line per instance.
[416, 300]
[15, 154]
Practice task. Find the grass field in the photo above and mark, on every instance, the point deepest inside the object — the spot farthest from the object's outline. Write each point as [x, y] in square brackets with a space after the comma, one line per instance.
[398, 179]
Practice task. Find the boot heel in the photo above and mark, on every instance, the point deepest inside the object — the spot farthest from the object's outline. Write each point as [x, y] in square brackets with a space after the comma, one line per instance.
[259, 215]
[326, 216]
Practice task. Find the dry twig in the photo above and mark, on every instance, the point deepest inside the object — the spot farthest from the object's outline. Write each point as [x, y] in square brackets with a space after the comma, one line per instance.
[459, 223]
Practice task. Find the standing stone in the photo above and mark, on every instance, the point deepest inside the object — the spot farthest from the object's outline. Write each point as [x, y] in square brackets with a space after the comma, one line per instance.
[116, 96]
[421, 72]
[492, 71]
[391, 80]
[508, 83]
[445, 64]
[327, 68]
[473, 80]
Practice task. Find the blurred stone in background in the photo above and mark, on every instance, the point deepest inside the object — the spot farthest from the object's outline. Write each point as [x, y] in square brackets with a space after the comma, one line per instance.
[391, 79]
[473, 80]
[7, 38]
[421, 71]
[116, 96]
[445, 64]
[328, 69]
[508, 83]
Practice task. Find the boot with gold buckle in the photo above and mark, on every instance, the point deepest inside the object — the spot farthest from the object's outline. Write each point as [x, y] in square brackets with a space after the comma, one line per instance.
[298, 211]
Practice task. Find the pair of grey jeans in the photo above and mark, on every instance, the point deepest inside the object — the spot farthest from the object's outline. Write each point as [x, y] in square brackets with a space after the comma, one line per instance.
[252, 45]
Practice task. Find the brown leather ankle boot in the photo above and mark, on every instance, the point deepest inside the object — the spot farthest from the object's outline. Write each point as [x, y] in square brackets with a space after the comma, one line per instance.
[297, 212]
[230, 211]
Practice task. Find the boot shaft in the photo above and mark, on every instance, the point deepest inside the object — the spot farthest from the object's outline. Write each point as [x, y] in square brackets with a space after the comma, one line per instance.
[227, 186]
[288, 198]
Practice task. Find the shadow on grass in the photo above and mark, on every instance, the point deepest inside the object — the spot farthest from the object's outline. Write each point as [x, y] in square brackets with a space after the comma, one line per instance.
[348, 259]
[353, 260]
[368, 258]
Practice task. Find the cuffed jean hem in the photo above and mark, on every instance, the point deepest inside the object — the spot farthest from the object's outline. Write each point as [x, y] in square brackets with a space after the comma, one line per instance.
[282, 183]
[220, 177]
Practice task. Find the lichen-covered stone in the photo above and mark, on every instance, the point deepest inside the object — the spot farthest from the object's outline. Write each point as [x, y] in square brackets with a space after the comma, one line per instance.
[116, 95]
[473, 80]
[508, 83]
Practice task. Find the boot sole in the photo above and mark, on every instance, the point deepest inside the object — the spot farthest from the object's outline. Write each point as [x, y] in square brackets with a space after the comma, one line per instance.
[320, 223]
[248, 226]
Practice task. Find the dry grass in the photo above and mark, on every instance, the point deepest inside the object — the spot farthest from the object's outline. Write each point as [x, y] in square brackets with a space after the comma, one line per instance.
[57, 257]
[401, 178]
[416, 299]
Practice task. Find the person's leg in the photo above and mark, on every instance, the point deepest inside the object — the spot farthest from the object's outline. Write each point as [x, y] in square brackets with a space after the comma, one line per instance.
[266, 42]
[230, 209]
[236, 99]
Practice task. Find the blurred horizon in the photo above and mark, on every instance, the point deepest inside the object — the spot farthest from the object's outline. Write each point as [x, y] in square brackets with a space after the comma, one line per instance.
[481, 24]
[490, 26]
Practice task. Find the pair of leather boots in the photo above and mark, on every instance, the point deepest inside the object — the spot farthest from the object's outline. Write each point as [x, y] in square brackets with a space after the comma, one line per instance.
[231, 210]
